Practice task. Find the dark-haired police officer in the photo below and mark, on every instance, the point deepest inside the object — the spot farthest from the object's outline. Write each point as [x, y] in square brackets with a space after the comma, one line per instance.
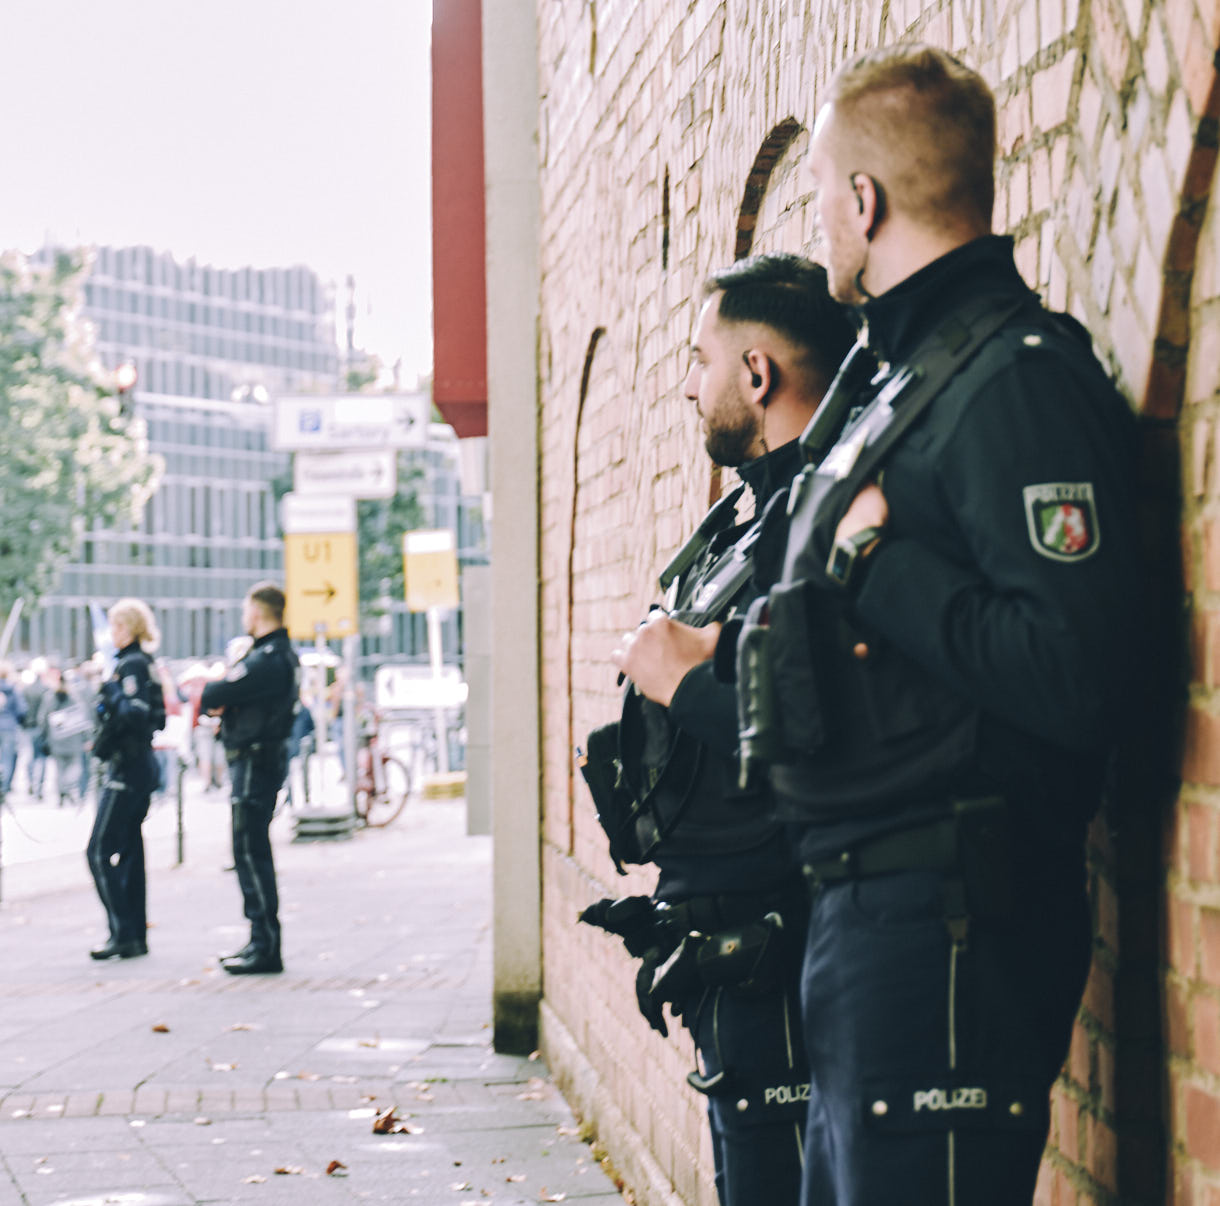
[257, 700]
[720, 939]
[938, 680]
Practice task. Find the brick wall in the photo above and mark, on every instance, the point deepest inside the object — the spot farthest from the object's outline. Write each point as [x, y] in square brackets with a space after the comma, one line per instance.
[669, 138]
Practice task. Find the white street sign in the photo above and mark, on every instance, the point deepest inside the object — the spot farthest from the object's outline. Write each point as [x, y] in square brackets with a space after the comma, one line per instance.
[327, 422]
[317, 513]
[370, 474]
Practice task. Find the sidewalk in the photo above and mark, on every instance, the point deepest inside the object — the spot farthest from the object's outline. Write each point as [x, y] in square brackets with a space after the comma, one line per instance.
[162, 1081]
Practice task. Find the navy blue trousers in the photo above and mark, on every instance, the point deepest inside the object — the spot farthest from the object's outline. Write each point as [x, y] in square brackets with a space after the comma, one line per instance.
[256, 780]
[116, 858]
[931, 1064]
[757, 1114]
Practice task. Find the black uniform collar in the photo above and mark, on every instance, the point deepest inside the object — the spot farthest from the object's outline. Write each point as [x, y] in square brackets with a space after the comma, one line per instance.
[771, 472]
[900, 317]
[268, 637]
[131, 647]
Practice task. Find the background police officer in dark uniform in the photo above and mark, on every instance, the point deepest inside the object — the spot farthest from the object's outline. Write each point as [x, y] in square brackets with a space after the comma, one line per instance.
[257, 699]
[130, 709]
[768, 341]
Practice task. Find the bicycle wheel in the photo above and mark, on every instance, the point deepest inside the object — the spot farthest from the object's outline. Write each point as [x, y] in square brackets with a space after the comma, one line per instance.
[383, 806]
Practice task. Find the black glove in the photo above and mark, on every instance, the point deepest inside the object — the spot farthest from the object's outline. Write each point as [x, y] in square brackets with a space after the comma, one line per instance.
[678, 981]
[633, 919]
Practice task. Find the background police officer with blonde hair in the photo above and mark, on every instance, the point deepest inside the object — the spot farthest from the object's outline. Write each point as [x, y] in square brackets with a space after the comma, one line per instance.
[130, 708]
[257, 700]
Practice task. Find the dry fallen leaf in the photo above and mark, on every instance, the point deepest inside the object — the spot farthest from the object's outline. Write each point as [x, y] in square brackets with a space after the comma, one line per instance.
[373, 1042]
[553, 1197]
[388, 1123]
[253, 1179]
[160, 1028]
[203, 1122]
[289, 1170]
[459, 1186]
[240, 1026]
[535, 1055]
[222, 1067]
[335, 1167]
[515, 1177]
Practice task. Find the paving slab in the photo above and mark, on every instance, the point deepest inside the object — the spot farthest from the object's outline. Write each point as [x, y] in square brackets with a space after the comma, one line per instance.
[162, 1081]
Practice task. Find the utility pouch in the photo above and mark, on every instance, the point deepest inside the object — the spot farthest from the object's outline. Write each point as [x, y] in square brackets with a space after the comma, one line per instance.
[747, 958]
[602, 771]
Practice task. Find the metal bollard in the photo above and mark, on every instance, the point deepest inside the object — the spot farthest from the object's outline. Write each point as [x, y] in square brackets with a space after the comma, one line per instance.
[181, 828]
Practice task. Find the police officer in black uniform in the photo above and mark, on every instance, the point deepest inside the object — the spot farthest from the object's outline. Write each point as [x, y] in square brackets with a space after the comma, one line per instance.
[721, 937]
[257, 701]
[948, 658]
[130, 708]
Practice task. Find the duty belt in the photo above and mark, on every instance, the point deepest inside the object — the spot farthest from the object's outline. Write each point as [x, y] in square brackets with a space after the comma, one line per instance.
[970, 845]
[246, 751]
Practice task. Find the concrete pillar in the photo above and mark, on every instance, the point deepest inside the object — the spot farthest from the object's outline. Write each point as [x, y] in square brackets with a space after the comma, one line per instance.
[510, 116]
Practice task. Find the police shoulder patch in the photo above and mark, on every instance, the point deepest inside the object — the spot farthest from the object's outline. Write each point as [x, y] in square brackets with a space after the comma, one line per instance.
[1062, 520]
[130, 685]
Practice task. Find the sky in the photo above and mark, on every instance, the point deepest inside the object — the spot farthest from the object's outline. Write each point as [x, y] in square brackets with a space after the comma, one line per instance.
[261, 132]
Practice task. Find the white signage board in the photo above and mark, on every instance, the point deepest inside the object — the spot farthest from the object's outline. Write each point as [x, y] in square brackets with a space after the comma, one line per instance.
[328, 422]
[362, 474]
[413, 687]
[317, 514]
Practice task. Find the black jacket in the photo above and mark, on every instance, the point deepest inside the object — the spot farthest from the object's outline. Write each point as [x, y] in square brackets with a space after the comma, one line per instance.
[1000, 609]
[130, 708]
[727, 841]
[259, 695]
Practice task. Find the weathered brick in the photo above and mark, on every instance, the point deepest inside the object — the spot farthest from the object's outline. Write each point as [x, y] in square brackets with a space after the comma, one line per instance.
[1209, 945]
[1207, 1033]
[1202, 1125]
[1201, 763]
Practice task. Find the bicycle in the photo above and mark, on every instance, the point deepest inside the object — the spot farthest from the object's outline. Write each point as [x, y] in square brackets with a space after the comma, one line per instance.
[383, 783]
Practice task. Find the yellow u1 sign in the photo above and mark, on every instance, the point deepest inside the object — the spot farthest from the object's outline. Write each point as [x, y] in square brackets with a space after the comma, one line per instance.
[429, 566]
[320, 584]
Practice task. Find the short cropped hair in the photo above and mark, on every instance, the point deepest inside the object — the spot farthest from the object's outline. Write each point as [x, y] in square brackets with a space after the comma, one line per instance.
[923, 124]
[789, 294]
[138, 617]
[270, 598]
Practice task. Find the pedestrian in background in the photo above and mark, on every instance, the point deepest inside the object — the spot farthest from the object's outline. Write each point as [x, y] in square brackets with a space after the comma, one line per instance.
[63, 729]
[12, 715]
[130, 708]
[257, 701]
[35, 687]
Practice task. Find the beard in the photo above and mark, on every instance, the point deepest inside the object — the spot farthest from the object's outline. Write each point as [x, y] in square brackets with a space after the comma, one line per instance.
[731, 444]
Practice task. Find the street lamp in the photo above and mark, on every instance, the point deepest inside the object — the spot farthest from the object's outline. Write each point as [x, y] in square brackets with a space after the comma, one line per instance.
[125, 378]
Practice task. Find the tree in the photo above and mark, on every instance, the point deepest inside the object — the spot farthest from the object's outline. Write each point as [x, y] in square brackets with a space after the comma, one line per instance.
[382, 523]
[72, 454]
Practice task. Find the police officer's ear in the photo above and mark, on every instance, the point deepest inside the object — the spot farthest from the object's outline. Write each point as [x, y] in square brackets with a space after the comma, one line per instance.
[762, 373]
[870, 200]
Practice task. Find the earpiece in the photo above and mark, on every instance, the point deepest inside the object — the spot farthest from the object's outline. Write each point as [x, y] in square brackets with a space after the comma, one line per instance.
[755, 379]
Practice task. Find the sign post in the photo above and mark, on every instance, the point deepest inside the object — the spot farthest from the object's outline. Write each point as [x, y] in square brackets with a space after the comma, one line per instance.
[320, 565]
[429, 558]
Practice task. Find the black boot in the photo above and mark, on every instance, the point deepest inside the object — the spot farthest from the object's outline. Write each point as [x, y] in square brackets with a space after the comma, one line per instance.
[255, 964]
[114, 949]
